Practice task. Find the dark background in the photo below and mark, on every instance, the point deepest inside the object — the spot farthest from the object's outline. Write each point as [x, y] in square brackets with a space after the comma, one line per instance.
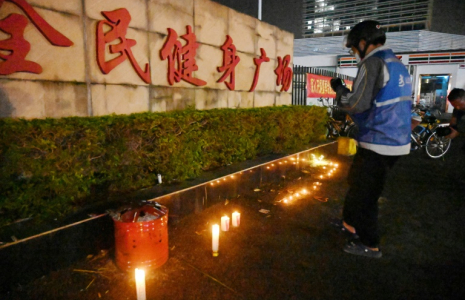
[448, 16]
[285, 14]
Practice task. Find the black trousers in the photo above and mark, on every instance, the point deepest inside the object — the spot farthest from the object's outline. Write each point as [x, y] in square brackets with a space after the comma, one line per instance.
[366, 179]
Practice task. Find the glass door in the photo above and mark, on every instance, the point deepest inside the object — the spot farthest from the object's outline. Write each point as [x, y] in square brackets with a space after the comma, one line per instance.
[433, 91]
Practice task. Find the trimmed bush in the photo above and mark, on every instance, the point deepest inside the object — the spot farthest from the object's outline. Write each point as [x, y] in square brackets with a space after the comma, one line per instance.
[49, 167]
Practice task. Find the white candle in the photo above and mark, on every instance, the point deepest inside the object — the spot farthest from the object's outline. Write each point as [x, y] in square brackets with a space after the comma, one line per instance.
[236, 219]
[224, 223]
[140, 284]
[215, 239]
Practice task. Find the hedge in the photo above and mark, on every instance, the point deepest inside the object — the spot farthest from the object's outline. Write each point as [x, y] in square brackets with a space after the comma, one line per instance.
[50, 166]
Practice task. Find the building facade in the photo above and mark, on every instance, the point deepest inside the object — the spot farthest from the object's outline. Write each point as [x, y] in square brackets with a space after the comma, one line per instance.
[336, 17]
[428, 36]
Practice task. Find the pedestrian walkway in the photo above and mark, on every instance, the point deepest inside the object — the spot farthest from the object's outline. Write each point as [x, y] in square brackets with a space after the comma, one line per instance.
[288, 249]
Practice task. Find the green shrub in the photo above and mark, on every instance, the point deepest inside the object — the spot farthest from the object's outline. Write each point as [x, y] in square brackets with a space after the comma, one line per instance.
[49, 167]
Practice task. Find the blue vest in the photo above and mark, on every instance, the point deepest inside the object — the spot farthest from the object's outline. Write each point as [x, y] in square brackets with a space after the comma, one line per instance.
[385, 128]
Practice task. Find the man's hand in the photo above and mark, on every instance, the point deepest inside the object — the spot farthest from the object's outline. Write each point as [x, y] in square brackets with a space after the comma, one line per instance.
[336, 83]
[453, 134]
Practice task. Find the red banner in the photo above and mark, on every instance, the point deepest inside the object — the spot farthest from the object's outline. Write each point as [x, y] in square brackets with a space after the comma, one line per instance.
[320, 86]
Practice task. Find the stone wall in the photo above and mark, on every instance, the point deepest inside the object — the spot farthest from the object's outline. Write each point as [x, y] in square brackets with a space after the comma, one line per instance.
[72, 84]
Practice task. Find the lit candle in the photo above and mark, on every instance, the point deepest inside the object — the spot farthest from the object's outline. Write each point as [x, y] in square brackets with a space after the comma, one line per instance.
[225, 223]
[236, 219]
[140, 284]
[215, 239]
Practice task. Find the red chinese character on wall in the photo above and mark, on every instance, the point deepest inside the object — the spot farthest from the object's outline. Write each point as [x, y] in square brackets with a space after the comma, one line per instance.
[284, 73]
[118, 21]
[258, 62]
[181, 59]
[17, 47]
[230, 60]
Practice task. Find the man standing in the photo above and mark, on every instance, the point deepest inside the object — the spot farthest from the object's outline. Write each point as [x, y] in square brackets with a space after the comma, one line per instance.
[380, 104]
[457, 99]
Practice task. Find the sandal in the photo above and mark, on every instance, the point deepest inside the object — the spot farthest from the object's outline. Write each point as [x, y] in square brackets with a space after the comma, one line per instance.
[357, 248]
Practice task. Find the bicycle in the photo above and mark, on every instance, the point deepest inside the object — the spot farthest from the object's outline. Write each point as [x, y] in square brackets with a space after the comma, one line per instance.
[339, 123]
[424, 135]
[425, 110]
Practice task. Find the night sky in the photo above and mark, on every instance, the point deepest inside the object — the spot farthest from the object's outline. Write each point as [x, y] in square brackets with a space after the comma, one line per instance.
[286, 15]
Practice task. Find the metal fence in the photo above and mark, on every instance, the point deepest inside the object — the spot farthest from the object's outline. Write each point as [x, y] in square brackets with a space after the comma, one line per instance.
[299, 82]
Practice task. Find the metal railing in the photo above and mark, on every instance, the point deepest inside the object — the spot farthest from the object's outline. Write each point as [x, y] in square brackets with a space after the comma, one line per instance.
[299, 82]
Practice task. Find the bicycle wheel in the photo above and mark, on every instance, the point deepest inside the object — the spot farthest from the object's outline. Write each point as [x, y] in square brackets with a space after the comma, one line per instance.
[437, 146]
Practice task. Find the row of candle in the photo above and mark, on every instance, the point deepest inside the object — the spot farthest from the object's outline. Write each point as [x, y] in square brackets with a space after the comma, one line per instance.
[316, 184]
[315, 161]
[236, 221]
